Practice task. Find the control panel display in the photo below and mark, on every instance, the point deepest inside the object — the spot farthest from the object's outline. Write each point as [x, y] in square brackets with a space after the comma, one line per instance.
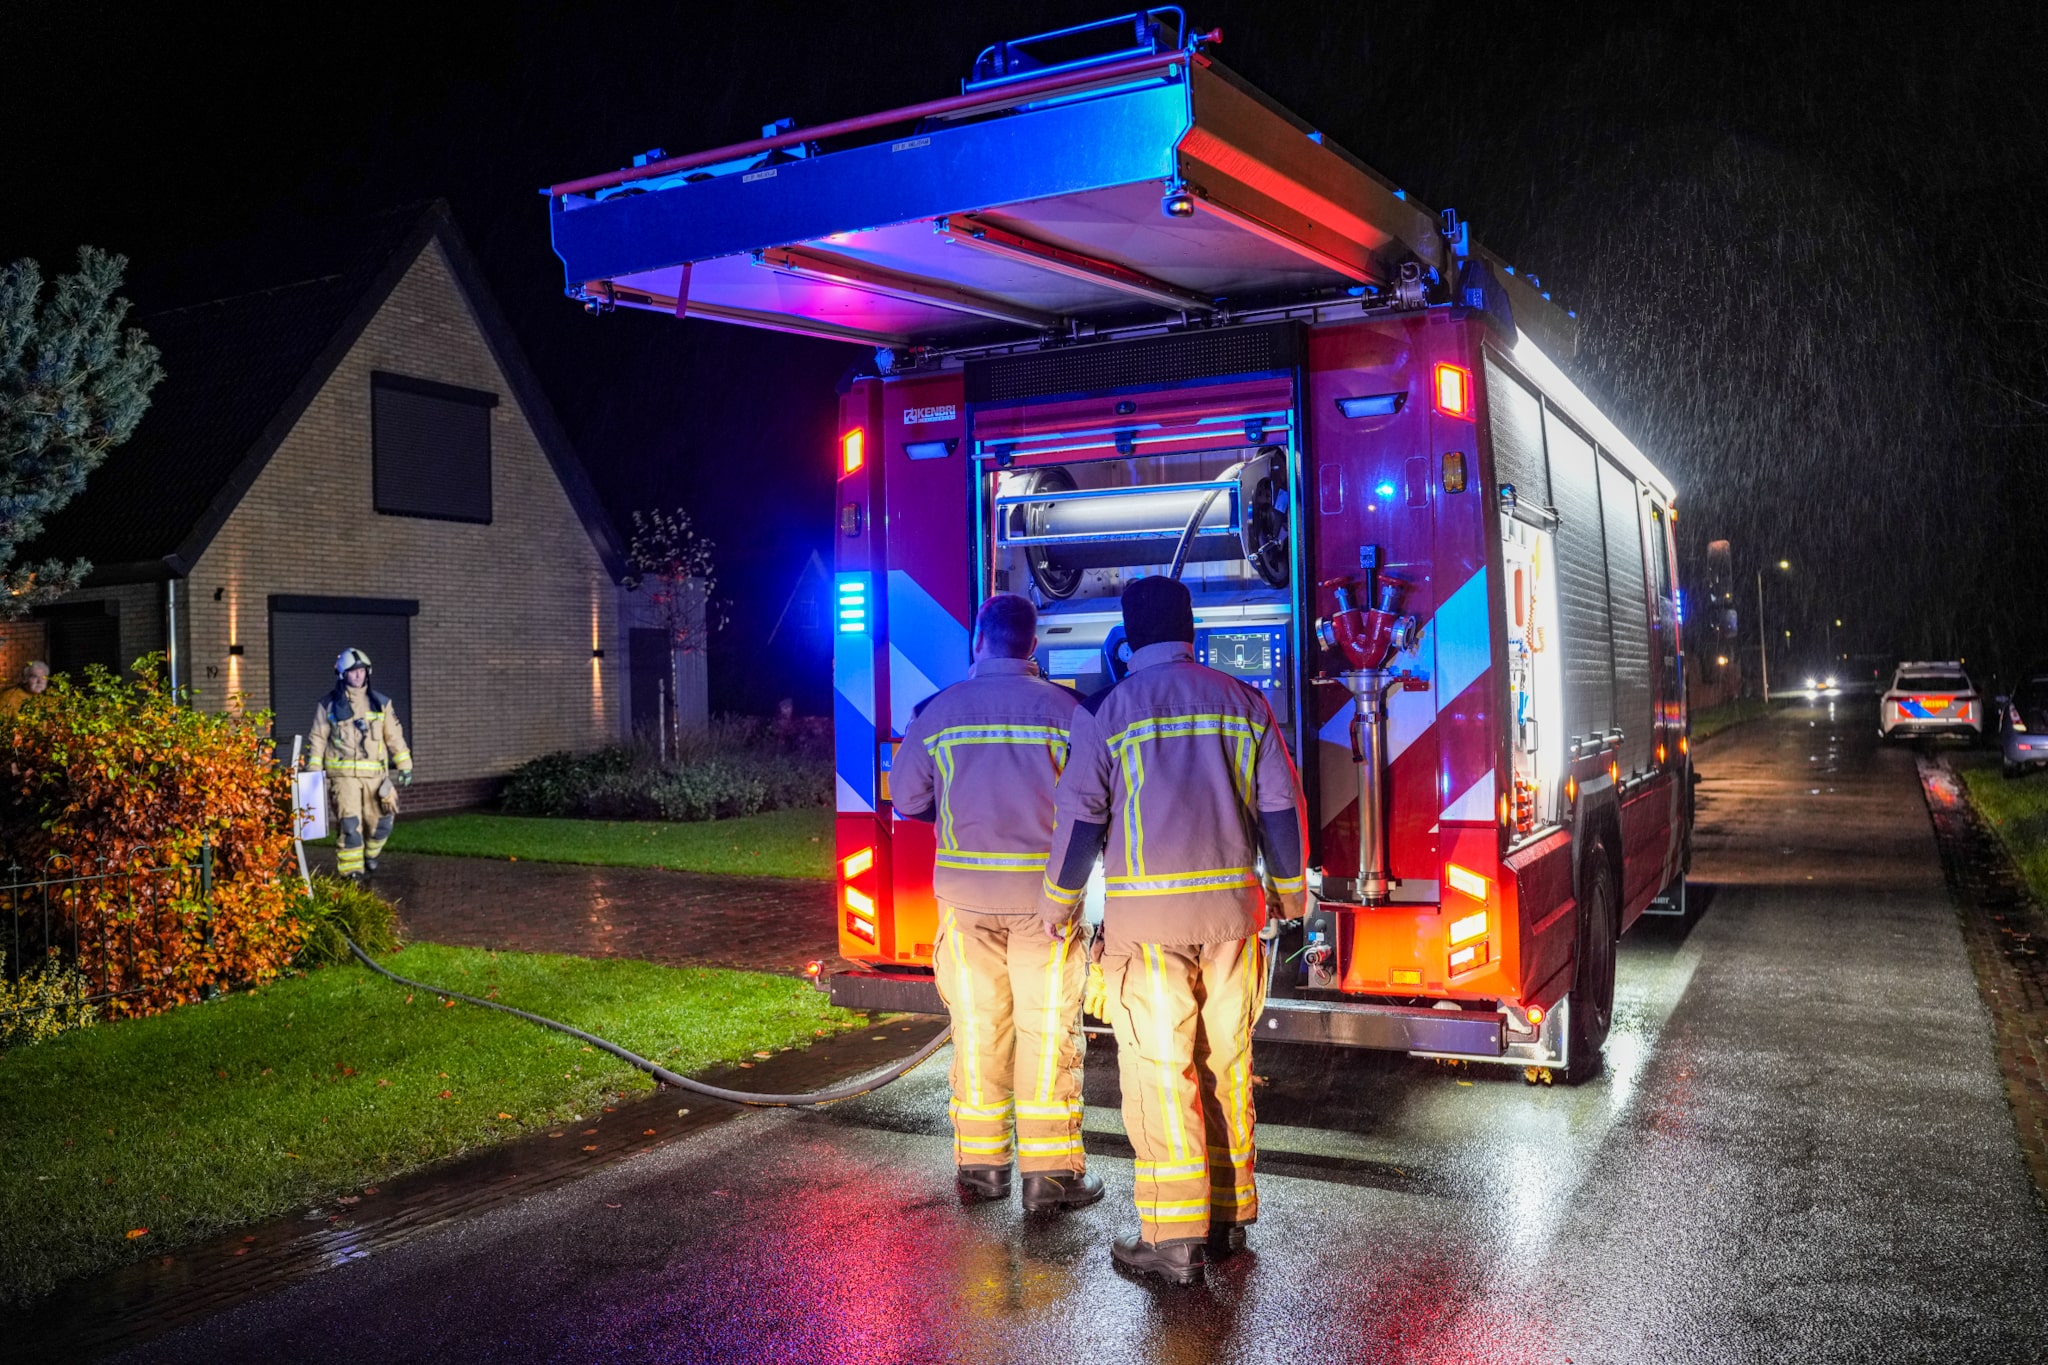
[1257, 655]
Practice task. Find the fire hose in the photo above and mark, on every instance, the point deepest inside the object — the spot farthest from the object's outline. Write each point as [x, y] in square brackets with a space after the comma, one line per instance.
[873, 1081]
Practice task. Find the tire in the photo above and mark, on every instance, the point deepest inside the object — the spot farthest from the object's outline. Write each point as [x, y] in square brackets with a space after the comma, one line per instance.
[2010, 771]
[1592, 994]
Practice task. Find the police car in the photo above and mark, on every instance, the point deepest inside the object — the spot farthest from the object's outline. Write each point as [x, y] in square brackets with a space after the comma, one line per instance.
[1930, 699]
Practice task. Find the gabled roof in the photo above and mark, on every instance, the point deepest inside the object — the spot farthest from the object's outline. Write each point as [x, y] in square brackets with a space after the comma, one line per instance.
[240, 371]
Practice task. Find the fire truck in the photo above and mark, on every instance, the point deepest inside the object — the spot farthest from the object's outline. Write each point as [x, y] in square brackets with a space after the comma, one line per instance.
[1125, 315]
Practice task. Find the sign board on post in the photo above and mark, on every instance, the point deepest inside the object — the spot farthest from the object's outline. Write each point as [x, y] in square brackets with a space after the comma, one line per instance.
[309, 795]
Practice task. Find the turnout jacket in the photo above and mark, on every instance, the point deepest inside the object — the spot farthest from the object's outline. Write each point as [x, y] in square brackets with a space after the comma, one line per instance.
[1180, 778]
[356, 733]
[979, 761]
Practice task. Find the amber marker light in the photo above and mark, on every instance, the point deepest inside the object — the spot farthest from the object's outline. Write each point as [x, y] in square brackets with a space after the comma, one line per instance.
[1535, 1014]
[853, 864]
[852, 452]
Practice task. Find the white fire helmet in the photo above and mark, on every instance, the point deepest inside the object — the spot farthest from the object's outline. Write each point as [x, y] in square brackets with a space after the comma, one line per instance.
[351, 658]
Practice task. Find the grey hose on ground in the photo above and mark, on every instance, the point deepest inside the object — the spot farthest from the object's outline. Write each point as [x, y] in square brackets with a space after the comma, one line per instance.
[873, 1081]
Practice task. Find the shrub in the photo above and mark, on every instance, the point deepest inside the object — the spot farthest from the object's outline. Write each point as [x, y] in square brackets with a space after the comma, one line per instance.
[46, 1000]
[739, 765]
[115, 774]
[341, 907]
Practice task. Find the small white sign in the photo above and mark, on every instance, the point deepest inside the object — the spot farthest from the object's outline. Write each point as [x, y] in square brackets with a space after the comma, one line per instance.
[751, 176]
[918, 416]
[309, 795]
[910, 145]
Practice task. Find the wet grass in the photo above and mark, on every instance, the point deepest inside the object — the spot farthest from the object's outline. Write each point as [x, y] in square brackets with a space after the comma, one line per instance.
[783, 843]
[2017, 811]
[128, 1139]
[1707, 723]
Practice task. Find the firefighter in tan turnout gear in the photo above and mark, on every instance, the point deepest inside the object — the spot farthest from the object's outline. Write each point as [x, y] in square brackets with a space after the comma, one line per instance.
[980, 761]
[357, 741]
[1181, 778]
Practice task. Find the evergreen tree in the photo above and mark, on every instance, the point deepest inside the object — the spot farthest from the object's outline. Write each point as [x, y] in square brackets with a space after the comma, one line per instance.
[73, 384]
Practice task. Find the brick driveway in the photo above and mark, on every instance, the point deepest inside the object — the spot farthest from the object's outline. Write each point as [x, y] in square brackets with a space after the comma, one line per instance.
[768, 924]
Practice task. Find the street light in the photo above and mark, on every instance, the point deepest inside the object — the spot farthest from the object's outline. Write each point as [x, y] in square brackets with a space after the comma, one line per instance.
[1763, 636]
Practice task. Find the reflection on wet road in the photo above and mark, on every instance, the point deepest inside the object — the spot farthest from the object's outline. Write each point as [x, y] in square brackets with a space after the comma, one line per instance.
[1799, 1151]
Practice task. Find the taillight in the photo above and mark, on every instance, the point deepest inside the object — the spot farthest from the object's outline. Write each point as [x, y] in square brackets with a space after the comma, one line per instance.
[1466, 929]
[1466, 881]
[1454, 391]
[853, 864]
[2012, 718]
[852, 452]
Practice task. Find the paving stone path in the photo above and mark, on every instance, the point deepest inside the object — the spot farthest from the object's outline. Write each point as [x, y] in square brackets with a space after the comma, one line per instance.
[769, 924]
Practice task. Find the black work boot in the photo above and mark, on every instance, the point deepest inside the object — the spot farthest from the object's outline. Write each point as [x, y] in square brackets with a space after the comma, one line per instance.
[369, 864]
[1225, 1239]
[1178, 1262]
[1047, 1190]
[979, 1184]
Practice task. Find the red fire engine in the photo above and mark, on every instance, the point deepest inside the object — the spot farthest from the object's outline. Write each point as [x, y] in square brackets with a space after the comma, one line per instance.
[1128, 317]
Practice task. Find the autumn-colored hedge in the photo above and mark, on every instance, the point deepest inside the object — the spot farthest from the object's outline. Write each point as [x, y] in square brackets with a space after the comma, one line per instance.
[117, 774]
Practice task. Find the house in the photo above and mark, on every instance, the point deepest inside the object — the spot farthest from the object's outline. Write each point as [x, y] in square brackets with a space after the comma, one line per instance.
[356, 454]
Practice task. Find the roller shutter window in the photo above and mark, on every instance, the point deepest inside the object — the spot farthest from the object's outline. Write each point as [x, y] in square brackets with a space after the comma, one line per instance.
[1588, 653]
[308, 634]
[430, 449]
[1517, 429]
[1670, 677]
[1621, 507]
[82, 633]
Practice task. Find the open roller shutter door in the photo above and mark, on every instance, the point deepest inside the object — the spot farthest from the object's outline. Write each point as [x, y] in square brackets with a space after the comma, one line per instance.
[305, 638]
[1581, 582]
[1621, 508]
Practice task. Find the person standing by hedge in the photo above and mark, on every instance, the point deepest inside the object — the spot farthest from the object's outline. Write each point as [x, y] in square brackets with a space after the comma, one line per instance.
[357, 742]
[33, 682]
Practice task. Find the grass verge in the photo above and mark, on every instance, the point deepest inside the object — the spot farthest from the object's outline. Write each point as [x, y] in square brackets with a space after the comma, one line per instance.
[1714, 719]
[127, 1139]
[2017, 811]
[783, 843]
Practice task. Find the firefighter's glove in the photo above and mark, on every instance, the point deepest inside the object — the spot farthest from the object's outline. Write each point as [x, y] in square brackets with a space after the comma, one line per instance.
[1293, 904]
[404, 777]
[1095, 994]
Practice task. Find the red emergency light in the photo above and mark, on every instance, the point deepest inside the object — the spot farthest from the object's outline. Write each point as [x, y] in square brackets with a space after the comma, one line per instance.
[852, 452]
[1454, 391]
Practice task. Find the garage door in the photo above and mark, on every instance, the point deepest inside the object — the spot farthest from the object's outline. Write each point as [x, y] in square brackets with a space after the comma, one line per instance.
[307, 633]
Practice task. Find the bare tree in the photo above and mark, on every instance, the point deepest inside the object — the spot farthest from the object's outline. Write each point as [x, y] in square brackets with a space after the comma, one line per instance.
[676, 569]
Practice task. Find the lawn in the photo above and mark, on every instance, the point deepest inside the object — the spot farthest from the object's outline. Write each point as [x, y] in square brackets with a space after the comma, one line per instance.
[783, 843]
[2017, 810]
[1714, 719]
[129, 1138]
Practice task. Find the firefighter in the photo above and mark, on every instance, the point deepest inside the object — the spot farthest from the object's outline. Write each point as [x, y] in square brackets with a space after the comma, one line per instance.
[356, 739]
[1181, 774]
[980, 760]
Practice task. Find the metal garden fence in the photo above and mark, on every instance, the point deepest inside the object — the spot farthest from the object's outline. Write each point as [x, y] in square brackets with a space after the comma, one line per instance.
[105, 918]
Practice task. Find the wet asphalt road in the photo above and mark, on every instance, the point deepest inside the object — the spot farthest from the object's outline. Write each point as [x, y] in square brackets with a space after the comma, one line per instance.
[1800, 1151]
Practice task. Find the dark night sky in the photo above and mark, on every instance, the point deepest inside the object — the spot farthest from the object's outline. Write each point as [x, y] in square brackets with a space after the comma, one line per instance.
[1804, 239]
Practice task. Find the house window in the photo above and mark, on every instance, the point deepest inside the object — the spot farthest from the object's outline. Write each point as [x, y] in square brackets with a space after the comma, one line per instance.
[430, 448]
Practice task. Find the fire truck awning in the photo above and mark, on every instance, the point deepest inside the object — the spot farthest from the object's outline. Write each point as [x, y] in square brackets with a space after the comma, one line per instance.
[1004, 214]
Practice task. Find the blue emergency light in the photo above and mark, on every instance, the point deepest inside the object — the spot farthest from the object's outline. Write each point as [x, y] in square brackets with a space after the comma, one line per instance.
[852, 609]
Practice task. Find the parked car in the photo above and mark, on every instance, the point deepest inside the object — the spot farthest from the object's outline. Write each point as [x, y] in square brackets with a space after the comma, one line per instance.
[2023, 726]
[1930, 699]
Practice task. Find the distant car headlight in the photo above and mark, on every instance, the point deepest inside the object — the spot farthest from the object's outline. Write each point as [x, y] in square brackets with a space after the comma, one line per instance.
[1811, 684]
[1829, 683]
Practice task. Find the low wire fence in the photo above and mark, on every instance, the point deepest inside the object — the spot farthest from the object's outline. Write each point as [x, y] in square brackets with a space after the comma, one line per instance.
[109, 920]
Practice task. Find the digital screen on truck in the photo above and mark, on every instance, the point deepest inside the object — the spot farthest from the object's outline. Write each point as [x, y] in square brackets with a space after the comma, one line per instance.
[1253, 655]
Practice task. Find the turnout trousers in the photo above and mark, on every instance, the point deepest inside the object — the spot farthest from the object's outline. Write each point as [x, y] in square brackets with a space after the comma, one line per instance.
[1183, 1019]
[357, 814]
[1015, 996]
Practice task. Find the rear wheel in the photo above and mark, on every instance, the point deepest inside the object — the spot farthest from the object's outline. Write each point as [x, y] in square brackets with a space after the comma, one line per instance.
[1592, 995]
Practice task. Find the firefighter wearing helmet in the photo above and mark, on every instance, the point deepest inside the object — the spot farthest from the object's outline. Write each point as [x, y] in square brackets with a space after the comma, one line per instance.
[357, 742]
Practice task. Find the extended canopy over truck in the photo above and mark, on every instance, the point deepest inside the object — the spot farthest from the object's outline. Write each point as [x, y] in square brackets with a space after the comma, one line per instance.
[1130, 317]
